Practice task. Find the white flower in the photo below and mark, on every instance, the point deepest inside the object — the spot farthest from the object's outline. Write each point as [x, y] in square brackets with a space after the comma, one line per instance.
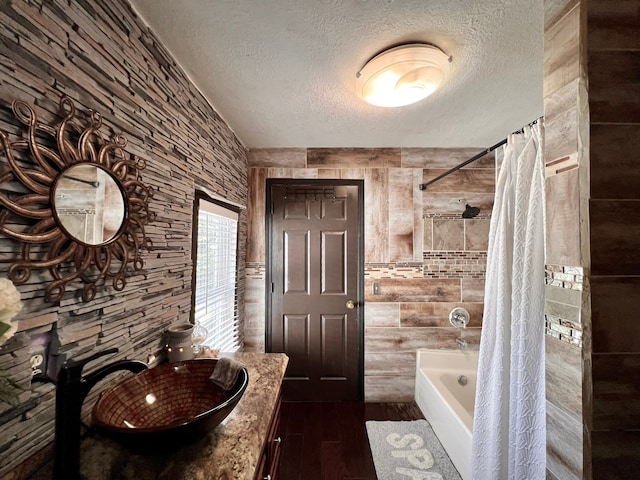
[10, 305]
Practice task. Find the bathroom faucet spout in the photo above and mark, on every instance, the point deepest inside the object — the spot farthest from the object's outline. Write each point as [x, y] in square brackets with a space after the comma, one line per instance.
[462, 343]
[71, 390]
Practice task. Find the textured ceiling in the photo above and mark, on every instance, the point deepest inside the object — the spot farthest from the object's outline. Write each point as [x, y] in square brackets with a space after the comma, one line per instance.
[282, 72]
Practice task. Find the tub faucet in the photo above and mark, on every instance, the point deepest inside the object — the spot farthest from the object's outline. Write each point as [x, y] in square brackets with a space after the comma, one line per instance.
[71, 390]
[462, 343]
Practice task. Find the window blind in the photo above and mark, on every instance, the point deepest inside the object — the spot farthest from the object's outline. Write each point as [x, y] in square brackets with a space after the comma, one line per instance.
[215, 293]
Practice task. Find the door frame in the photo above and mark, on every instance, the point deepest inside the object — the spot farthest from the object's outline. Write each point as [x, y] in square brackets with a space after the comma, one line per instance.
[270, 182]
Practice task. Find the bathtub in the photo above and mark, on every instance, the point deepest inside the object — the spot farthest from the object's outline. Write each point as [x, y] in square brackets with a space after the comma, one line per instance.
[447, 405]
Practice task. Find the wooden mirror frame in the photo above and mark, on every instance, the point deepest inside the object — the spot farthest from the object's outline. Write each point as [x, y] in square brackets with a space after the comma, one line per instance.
[27, 212]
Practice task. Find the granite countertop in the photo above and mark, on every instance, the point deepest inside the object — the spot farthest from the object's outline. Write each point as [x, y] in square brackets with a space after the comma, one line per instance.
[230, 451]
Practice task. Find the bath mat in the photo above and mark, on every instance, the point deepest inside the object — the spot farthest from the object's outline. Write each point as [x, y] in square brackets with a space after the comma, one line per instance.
[408, 450]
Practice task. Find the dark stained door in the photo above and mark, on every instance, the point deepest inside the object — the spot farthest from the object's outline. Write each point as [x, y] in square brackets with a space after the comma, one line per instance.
[315, 301]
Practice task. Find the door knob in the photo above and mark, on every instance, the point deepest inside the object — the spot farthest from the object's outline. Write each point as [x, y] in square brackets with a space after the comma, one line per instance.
[350, 304]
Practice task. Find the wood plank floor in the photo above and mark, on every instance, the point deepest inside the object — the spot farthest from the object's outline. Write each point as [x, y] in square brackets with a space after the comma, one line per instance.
[328, 441]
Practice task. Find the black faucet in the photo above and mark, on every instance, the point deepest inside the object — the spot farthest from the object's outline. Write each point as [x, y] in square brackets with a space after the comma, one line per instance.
[71, 390]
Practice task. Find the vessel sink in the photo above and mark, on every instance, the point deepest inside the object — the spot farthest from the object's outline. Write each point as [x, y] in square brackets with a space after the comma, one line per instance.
[166, 405]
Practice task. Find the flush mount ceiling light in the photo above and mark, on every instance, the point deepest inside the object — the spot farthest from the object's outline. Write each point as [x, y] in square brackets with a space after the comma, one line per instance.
[402, 75]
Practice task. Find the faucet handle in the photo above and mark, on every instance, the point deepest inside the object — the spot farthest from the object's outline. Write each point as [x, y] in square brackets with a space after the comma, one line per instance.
[459, 317]
[73, 368]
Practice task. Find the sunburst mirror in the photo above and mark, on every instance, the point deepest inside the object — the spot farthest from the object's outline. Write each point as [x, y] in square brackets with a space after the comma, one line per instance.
[75, 201]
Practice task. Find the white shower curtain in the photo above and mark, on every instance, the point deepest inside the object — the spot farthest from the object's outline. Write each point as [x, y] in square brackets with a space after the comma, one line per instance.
[509, 432]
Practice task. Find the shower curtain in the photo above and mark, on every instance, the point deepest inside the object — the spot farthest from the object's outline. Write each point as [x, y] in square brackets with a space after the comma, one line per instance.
[509, 432]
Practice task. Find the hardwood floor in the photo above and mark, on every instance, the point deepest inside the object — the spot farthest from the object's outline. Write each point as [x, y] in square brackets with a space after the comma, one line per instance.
[328, 441]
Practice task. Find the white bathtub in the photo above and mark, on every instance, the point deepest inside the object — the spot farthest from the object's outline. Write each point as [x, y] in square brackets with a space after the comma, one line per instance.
[447, 405]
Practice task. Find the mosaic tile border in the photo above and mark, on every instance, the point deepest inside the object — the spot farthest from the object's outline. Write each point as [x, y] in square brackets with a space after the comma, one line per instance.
[257, 270]
[568, 278]
[393, 270]
[563, 330]
[564, 277]
[449, 264]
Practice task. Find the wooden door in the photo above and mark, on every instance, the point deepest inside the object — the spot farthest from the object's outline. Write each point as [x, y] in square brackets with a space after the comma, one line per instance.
[315, 292]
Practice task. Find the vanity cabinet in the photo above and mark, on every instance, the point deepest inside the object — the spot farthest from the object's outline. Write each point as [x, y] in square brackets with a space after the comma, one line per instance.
[247, 447]
[270, 457]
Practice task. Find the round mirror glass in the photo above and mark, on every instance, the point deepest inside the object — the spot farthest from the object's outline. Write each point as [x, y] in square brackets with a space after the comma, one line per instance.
[89, 204]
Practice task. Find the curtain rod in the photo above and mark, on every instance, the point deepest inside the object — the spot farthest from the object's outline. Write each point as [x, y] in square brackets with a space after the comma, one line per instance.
[423, 186]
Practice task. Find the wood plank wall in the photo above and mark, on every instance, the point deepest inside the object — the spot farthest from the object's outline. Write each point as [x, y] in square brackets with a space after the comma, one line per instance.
[566, 297]
[613, 42]
[425, 257]
[102, 56]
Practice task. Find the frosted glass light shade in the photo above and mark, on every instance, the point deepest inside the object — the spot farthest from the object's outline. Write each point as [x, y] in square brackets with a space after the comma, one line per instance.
[402, 75]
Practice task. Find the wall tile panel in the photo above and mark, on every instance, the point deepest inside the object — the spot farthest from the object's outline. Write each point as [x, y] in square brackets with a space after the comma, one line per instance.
[614, 25]
[389, 388]
[615, 303]
[614, 148]
[565, 296]
[406, 339]
[377, 218]
[616, 389]
[382, 314]
[555, 10]
[564, 445]
[472, 289]
[401, 218]
[476, 234]
[448, 234]
[463, 181]
[562, 52]
[561, 123]
[414, 290]
[353, 157]
[566, 312]
[330, 173]
[616, 455]
[615, 230]
[427, 239]
[277, 157]
[255, 214]
[563, 370]
[389, 364]
[445, 158]
[563, 221]
[614, 86]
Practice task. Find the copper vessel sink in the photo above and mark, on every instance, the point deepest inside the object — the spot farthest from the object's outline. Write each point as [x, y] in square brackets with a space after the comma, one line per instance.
[171, 403]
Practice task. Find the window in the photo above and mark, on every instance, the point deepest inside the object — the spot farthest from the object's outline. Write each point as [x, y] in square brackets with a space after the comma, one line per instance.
[215, 305]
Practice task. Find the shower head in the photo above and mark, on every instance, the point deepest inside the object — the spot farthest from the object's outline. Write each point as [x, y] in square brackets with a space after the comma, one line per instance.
[470, 212]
